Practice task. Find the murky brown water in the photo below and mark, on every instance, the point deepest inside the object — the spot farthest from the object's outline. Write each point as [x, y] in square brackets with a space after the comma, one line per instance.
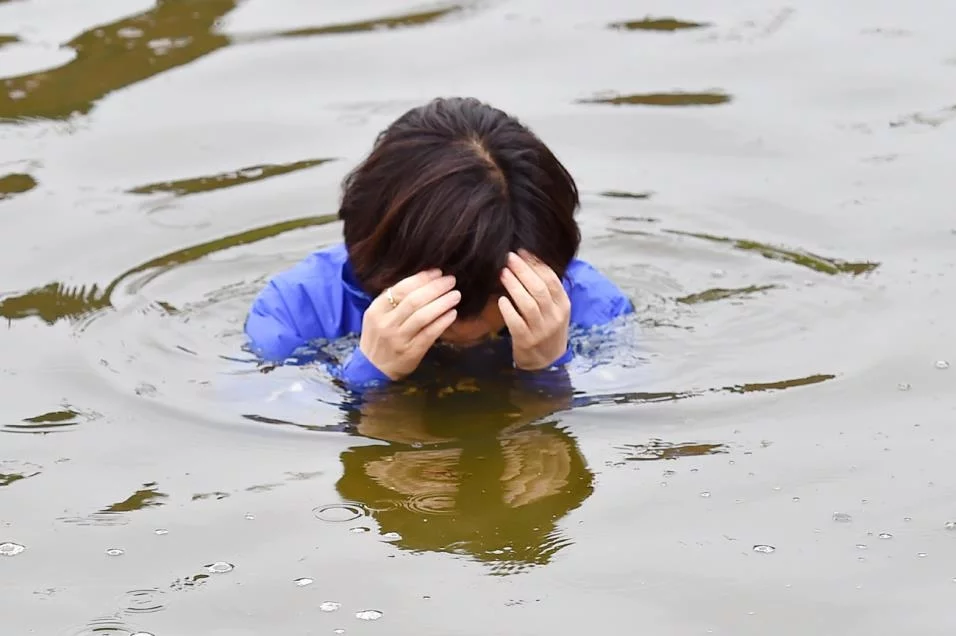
[771, 183]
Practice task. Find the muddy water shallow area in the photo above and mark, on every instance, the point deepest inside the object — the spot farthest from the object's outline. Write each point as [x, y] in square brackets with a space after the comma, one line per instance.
[768, 450]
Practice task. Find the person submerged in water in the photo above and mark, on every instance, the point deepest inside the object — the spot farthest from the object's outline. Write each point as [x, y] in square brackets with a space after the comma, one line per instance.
[458, 227]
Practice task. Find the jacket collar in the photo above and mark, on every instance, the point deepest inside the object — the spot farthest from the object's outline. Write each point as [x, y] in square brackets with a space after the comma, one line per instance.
[353, 289]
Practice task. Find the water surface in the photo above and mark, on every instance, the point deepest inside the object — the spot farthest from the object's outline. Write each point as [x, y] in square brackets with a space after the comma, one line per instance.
[770, 183]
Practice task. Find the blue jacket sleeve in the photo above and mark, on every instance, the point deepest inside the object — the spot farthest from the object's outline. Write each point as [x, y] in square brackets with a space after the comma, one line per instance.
[279, 327]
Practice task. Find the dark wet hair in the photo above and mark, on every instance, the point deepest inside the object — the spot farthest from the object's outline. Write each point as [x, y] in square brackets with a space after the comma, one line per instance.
[456, 184]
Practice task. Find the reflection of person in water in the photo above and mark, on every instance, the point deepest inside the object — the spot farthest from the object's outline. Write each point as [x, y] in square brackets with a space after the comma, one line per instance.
[468, 471]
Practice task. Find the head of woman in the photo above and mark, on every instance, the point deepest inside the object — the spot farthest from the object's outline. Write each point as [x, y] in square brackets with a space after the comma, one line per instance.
[456, 185]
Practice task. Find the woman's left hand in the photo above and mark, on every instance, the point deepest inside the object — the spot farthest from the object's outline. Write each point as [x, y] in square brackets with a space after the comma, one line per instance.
[538, 313]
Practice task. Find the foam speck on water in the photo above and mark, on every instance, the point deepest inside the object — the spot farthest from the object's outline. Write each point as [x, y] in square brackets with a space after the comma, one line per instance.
[220, 567]
[114, 552]
[369, 615]
[11, 549]
[942, 364]
[162, 531]
[705, 494]
[765, 549]
[329, 606]
[304, 581]
[842, 517]
[885, 535]
[950, 525]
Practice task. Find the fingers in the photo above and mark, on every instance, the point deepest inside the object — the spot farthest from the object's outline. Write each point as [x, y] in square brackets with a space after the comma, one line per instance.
[513, 320]
[530, 279]
[427, 336]
[521, 299]
[425, 316]
[550, 278]
[413, 300]
[403, 288]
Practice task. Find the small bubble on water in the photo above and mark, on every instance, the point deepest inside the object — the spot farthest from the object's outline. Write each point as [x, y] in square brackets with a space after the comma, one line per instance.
[922, 555]
[368, 615]
[141, 634]
[950, 525]
[391, 536]
[329, 606]
[114, 552]
[842, 517]
[904, 386]
[161, 532]
[359, 530]
[718, 273]
[796, 499]
[11, 549]
[339, 512]
[942, 364]
[250, 517]
[304, 581]
[776, 488]
[907, 519]
[861, 546]
[220, 567]
[766, 549]
[338, 631]
[885, 535]
[705, 494]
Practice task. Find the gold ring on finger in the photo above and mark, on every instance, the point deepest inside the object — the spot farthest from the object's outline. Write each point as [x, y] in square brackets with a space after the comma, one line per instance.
[390, 298]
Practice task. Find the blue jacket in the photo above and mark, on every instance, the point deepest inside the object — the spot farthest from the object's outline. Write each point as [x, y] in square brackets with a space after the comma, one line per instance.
[319, 299]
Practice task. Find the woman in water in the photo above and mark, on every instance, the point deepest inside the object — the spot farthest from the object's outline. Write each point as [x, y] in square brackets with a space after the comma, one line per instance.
[458, 227]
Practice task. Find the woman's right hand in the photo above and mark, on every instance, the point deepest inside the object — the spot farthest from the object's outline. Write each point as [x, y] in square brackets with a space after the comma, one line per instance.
[395, 339]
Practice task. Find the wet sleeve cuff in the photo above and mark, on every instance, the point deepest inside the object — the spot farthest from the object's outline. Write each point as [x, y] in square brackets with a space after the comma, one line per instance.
[552, 380]
[359, 373]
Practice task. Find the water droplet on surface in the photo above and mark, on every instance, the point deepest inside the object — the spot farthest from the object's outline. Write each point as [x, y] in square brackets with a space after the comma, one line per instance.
[904, 386]
[114, 552]
[942, 364]
[705, 494]
[766, 549]
[162, 532]
[329, 606]
[391, 536]
[842, 517]
[796, 499]
[359, 530]
[885, 535]
[368, 615]
[922, 555]
[338, 513]
[220, 567]
[907, 519]
[950, 525]
[11, 549]
[861, 546]
[304, 581]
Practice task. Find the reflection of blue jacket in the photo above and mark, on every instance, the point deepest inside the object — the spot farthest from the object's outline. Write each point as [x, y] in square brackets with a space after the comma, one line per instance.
[320, 299]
